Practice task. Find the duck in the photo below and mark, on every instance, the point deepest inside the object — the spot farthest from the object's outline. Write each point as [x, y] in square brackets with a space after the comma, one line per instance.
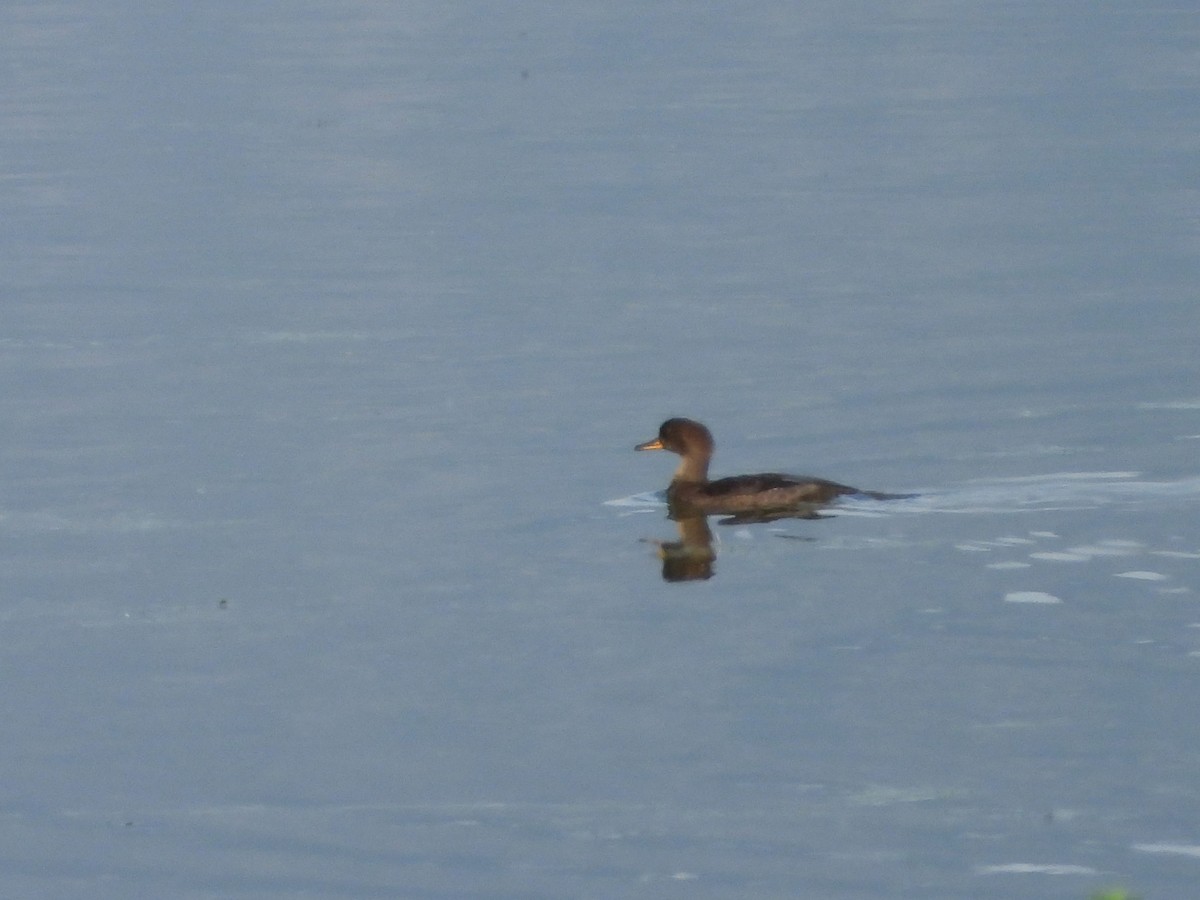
[761, 497]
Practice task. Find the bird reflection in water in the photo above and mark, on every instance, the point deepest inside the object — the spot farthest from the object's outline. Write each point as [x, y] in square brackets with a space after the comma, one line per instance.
[691, 557]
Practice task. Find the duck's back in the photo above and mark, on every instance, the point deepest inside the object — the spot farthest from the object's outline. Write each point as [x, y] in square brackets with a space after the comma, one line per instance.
[769, 490]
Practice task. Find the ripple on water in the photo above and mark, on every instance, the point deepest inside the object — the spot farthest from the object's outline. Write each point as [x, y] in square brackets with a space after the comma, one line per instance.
[1059, 556]
[1035, 869]
[1031, 597]
[1142, 576]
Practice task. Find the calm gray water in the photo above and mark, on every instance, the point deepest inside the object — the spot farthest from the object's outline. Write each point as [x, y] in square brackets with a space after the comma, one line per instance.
[328, 569]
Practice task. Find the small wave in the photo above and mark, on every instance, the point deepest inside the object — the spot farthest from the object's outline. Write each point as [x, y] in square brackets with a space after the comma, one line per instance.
[644, 502]
[1170, 404]
[49, 523]
[1177, 849]
[1036, 869]
[1054, 491]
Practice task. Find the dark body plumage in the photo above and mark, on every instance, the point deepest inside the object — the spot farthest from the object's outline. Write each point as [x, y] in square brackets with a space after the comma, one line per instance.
[745, 496]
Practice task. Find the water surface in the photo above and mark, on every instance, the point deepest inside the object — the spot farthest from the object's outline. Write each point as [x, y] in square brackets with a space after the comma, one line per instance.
[329, 329]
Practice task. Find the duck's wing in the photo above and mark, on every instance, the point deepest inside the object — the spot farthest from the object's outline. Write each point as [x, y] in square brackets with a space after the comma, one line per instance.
[797, 488]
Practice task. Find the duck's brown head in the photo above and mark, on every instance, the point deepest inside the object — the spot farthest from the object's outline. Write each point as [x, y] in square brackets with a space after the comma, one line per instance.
[689, 439]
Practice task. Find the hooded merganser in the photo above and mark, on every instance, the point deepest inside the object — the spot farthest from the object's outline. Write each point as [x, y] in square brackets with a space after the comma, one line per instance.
[747, 497]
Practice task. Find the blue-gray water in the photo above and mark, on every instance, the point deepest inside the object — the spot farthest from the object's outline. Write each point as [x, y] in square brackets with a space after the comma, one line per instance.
[327, 330]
